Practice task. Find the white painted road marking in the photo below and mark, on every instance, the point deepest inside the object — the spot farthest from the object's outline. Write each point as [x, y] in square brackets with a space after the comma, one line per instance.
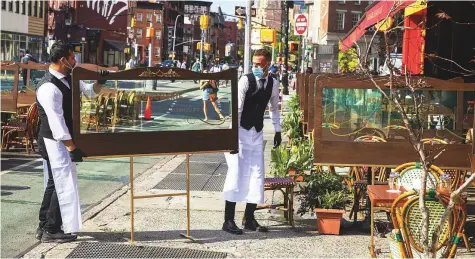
[18, 167]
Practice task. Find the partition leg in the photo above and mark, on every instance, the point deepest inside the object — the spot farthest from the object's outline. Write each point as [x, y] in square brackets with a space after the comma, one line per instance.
[131, 179]
[188, 214]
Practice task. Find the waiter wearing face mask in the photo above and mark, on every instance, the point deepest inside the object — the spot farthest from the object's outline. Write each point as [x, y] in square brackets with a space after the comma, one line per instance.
[60, 206]
[245, 178]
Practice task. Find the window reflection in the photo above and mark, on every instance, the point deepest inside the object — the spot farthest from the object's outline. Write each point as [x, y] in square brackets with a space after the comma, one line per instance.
[351, 113]
[153, 105]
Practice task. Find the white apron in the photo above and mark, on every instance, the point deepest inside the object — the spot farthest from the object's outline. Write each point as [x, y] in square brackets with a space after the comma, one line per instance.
[65, 183]
[245, 177]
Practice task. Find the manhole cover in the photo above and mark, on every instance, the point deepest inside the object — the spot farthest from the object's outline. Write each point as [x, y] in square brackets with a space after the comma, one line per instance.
[112, 250]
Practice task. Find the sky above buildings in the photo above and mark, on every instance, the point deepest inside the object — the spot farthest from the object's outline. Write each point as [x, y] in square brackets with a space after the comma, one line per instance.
[227, 6]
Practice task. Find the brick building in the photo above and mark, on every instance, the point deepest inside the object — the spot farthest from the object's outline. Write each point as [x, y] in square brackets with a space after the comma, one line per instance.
[96, 29]
[192, 31]
[171, 11]
[147, 13]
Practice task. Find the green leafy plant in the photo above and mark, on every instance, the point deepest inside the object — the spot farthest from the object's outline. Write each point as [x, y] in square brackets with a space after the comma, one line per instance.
[322, 190]
[333, 200]
[280, 161]
[301, 155]
[348, 61]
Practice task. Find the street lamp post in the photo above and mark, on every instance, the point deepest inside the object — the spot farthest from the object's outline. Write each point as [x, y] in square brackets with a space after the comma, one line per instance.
[285, 73]
[174, 36]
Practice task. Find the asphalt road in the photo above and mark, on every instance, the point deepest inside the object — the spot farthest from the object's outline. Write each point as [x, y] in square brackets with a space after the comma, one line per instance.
[22, 192]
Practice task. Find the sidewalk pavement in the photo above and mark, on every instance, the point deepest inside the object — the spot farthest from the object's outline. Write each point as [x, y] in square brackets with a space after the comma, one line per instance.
[159, 222]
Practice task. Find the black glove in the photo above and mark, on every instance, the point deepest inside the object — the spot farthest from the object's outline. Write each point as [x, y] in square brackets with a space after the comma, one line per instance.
[277, 139]
[76, 155]
[234, 152]
[102, 73]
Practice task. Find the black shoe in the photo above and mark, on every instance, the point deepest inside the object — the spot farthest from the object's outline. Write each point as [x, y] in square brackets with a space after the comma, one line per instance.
[39, 233]
[58, 237]
[230, 227]
[253, 226]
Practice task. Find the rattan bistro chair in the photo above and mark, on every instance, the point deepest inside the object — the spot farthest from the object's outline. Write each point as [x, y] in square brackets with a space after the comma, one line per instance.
[406, 238]
[409, 172]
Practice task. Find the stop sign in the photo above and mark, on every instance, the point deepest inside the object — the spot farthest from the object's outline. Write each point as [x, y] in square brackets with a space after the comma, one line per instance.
[301, 24]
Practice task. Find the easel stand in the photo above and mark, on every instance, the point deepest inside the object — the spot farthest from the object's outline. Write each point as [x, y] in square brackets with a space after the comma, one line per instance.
[187, 194]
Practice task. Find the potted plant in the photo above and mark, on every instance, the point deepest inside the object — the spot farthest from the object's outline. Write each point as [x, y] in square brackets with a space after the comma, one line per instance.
[291, 125]
[324, 194]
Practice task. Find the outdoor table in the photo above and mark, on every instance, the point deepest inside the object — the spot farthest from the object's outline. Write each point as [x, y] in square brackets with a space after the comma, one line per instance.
[381, 199]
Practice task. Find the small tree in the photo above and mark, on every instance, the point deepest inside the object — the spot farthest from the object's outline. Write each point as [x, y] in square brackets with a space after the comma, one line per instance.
[415, 124]
[348, 61]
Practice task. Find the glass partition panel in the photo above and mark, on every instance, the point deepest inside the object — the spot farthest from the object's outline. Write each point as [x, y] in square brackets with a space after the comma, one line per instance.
[352, 114]
[155, 105]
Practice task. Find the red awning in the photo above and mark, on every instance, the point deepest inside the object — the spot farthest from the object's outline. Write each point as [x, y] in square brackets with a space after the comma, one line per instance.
[378, 12]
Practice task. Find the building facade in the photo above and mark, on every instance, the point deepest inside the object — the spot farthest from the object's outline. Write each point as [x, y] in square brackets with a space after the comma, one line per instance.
[22, 28]
[192, 31]
[96, 29]
[173, 13]
[146, 14]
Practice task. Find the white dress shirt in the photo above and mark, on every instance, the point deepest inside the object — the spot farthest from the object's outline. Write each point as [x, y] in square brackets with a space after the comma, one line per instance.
[243, 86]
[51, 99]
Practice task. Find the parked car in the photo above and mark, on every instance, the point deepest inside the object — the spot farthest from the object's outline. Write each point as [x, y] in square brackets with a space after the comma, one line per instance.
[167, 63]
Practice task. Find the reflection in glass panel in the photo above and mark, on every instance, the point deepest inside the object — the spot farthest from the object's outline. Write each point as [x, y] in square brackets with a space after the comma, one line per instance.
[351, 113]
[122, 106]
[35, 77]
[6, 81]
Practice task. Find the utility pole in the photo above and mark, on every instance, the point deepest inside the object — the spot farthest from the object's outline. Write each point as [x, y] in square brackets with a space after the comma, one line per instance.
[285, 73]
[201, 50]
[247, 38]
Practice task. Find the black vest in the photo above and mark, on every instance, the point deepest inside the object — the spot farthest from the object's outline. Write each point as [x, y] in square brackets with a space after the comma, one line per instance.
[44, 129]
[255, 103]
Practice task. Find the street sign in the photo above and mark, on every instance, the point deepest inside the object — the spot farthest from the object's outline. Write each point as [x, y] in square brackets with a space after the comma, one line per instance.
[241, 11]
[301, 24]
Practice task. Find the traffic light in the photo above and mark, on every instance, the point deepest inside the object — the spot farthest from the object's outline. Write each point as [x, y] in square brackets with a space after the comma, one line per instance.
[294, 46]
[132, 22]
[240, 24]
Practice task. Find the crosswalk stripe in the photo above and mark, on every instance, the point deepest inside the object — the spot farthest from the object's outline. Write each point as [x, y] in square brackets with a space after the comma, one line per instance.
[18, 167]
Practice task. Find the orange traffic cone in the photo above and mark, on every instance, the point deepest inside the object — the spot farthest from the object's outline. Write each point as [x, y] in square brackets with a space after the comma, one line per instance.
[148, 110]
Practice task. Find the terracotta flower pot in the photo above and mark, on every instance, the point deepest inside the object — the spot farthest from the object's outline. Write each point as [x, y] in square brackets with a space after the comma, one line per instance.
[292, 173]
[328, 221]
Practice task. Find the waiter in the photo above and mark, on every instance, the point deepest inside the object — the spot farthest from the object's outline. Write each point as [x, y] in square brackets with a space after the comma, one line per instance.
[245, 178]
[60, 206]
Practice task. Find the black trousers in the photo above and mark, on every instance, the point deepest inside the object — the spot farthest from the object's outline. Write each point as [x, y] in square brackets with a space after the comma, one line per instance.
[50, 215]
[230, 209]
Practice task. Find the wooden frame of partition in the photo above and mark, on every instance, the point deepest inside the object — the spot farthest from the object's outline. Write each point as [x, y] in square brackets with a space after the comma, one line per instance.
[159, 142]
[388, 154]
[9, 105]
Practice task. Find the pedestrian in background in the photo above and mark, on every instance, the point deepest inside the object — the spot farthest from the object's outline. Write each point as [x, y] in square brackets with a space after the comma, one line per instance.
[25, 59]
[210, 93]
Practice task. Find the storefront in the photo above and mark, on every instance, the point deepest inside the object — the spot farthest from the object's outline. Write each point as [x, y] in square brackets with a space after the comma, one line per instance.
[13, 46]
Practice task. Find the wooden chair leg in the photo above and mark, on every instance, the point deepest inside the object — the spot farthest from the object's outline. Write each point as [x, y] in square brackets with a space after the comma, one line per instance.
[291, 206]
[286, 205]
[465, 240]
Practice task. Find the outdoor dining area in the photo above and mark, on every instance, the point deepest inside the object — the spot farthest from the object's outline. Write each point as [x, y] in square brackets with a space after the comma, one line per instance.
[19, 112]
[365, 164]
